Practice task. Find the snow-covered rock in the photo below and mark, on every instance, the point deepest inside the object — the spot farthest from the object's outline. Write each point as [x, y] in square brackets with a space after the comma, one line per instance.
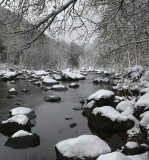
[8, 76]
[22, 111]
[131, 145]
[38, 84]
[102, 97]
[144, 119]
[145, 90]
[144, 156]
[142, 105]
[59, 87]
[90, 69]
[100, 80]
[45, 88]
[135, 130]
[49, 81]
[57, 77]
[12, 91]
[84, 73]
[145, 76]
[106, 81]
[100, 71]
[14, 124]
[91, 104]
[12, 82]
[97, 80]
[74, 85]
[110, 112]
[23, 139]
[120, 98]
[133, 148]
[20, 119]
[82, 147]
[126, 107]
[113, 156]
[25, 90]
[41, 73]
[107, 73]
[108, 119]
[3, 72]
[21, 133]
[34, 76]
[101, 94]
[144, 123]
[67, 75]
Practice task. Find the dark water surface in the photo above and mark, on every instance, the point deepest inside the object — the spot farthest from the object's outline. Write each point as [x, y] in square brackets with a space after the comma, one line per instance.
[51, 124]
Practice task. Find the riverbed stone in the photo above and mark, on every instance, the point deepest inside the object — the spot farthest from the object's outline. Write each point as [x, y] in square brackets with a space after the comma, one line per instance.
[133, 148]
[142, 105]
[12, 91]
[74, 85]
[87, 147]
[102, 97]
[23, 141]
[22, 111]
[49, 81]
[108, 119]
[59, 87]
[51, 98]
[25, 90]
[14, 124]
[72, 125]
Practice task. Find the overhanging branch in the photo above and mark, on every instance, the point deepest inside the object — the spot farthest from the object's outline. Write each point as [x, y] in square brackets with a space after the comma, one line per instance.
[134, 42]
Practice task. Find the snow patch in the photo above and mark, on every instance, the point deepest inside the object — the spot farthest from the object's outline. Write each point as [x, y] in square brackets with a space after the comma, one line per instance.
[41, 73]
[12, 90]
[90, 104]
[57, 77]
[101, 94]
[126, 107]
[144, 156]
[9, 74]
[21, 133]
[49, 80]
[20, 111]
[143, 101]
[144, 119]
[68, 74]
[113, 156]
[58, 86]
[132, 145]
[20, 119]
[111, 113]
